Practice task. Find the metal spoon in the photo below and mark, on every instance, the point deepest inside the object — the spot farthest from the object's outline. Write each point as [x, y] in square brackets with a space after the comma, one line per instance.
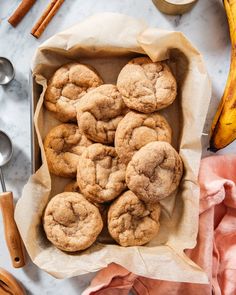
[7, 72]
[12, 235]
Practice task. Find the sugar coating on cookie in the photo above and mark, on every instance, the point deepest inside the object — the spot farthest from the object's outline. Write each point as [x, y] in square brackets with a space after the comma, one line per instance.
[68, 84]
[99, 113]
[101, 175]
[132, 222]
[147, 86]
[136, 130]
[73, 186]
[63, 145]
[72, 223]
[154, 172]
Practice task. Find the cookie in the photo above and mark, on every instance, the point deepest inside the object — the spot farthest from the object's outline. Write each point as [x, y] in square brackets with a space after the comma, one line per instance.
[136, 130]
[147, 86]
[100, 175]
[103, 208]
[154, 172]
[131, 222]
[63, 145]
[72, 223]
[68, 84]
[99, 113]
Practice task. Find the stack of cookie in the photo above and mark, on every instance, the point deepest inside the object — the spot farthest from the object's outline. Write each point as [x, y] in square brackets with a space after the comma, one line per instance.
[117, 147]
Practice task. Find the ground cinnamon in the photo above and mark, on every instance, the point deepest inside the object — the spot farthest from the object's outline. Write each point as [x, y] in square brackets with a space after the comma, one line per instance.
[20, 12]
[46, 17]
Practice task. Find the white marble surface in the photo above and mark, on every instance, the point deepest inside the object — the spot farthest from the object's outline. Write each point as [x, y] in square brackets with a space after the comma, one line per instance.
[205, 26]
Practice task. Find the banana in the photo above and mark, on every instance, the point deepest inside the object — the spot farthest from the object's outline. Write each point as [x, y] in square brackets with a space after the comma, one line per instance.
[223, 129]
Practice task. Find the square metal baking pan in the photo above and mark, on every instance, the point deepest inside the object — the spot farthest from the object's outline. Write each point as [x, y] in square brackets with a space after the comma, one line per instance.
[36, 160]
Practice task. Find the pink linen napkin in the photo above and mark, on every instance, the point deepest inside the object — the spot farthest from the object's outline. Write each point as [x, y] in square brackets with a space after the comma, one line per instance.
[215, 251]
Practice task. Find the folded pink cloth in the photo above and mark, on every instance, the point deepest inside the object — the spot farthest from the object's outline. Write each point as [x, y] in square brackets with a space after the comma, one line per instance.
[216, 245]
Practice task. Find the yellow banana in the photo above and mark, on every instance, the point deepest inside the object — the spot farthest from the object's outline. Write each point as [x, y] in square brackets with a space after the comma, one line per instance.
[223, 129]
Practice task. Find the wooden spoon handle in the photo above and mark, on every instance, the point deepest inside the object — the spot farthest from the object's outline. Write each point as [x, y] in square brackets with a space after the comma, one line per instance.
[4, 292]
[12, 235]
[20, 12]
[4, 289]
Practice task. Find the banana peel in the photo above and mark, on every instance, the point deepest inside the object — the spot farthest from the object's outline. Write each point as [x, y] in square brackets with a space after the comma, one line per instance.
[223, 129]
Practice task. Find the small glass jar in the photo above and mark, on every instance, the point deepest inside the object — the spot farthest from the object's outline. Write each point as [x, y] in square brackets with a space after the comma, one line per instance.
[174, 7]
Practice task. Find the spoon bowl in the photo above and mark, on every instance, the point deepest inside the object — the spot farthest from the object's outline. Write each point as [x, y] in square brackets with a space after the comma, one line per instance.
[7, 72]
[6, 149]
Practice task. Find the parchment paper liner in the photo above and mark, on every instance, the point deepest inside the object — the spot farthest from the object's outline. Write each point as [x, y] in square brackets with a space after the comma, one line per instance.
[107, 41]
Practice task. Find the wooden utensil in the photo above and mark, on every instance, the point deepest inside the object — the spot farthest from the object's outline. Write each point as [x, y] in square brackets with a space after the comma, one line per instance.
[12, 235]
[9, 284]
[20, 12]
[7, 71]
[174, 7]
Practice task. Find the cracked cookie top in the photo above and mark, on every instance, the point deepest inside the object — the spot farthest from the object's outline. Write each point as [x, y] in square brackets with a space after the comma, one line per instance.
[101, 175]
[99, 113]
[63, 145]
[154, 172]
[147, 86]
[73, 186]
[131, 222]
[71, 223]
[68, 84]
[136, 130]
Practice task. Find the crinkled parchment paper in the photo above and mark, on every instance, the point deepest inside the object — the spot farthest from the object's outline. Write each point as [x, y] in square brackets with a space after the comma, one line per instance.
[107, 41]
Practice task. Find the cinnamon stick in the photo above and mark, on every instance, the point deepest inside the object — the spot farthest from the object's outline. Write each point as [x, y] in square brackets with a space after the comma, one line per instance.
[20, 12]
[43, 16]
[46, 17]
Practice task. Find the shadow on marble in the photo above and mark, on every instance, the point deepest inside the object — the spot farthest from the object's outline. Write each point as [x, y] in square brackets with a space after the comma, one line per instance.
[19, 166]
[17, 171]
[28, 292]
[1, 121]
[81, 282]
[215, 99]
[31, 270]
[17, 89]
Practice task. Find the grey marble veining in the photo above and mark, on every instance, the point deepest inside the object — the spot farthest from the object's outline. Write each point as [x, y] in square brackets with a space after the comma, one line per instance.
[206, 27]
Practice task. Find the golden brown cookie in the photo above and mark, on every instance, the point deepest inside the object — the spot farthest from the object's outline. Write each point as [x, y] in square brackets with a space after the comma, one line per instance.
[103, 208]
[104, 237]
[101, 175]
[68, 84]
[132, 222]
[147, 86]
[63, 145]
[71, 223]
[154, 172]
[99, 113]
[136, 130]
